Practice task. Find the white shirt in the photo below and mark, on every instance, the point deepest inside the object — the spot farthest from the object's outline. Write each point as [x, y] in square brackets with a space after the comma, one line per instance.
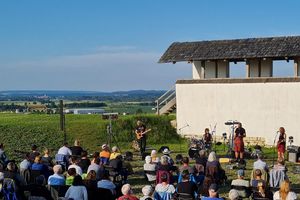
[25, 164]
[290, 196]
[77, 168]
[76, 193]
[65, 151]
[259, 164]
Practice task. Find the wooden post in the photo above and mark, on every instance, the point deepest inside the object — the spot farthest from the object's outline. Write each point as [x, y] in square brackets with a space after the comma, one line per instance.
[247, 69]
[62, 119]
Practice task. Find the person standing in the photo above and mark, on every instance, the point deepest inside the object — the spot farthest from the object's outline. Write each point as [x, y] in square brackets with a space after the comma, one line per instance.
[240, 133]
[207, 138]
[141, 136]
[281, 143]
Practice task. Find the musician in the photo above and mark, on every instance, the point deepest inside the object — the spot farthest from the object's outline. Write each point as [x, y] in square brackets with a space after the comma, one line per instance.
[240, 133]
[140, 129]
[281, 143]
[207, 138]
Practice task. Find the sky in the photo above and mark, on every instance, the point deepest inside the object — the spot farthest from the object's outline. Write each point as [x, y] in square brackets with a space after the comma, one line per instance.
[115, 45]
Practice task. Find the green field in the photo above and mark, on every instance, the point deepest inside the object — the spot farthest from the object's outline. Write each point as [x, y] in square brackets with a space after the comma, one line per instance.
[20, 131]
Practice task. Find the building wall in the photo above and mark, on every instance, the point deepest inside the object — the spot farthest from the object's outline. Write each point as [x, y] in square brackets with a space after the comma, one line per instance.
[261, 107]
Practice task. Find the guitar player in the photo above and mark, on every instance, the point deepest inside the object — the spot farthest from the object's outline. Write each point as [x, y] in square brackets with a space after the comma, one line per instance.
[141, 136]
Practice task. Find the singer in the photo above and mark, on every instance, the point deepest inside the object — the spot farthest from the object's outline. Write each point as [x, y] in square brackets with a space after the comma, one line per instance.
[240, 133]
[281, 143]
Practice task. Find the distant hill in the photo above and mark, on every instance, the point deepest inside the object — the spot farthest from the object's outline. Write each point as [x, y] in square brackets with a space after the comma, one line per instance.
[68, 93]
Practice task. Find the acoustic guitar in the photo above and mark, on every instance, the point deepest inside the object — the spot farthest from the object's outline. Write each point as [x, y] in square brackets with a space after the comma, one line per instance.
[140, 135]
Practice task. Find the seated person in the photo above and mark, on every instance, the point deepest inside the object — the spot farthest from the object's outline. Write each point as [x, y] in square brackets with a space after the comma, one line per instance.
[213, 193]
[76, 149]
[47, 159]
[34, 153]
[97, 168]
[258, 179]
[260, 164]
[241, 185]
[38, 189]
[164, 190]
[77, 191]
[186, 166]
[57, 178]
[285, 192]
[154, 157]
[167, 153]
[278, 173]
[203, 189]
[12, 173]
[25, 164]
[39, 166]
[106, 183]
[233, 195]
[74, 164]
[150, 169]
[70, 176]
[84, 162]
[105, 154]
[186, 186]
[261, 192]
[127, 193]
[164, 164]
[202, 158]
[114, 152]
[213, 167]
[147, 193]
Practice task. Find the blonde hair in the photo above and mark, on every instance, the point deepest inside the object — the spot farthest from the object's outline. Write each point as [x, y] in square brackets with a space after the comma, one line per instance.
[76, 143]
[212, 157]
[284, 189]
[37, 159]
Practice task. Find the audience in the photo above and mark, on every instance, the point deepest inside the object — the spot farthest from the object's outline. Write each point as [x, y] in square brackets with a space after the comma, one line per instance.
[76, 149]
[75, 161]
[25, 164]
[241, 185]
[233, 195]
[150, 169]
[97, 168]
[71, 173]
[105, 154]
[114, 153]
[186, 166]
[127, 193]
[258, 179]
[84, 162]
[260, 164]
[77, 191]
[164, 190]
[147, 193]
[64, 150]
[284, 192]
[34, 153]
[47, 159]
[154, 157]
[106, 183]
[213, 193]
[57, 178]
[186, 186]
[39, 166]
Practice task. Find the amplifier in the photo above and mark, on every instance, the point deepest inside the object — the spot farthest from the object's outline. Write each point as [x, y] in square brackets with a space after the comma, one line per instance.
[292, 148]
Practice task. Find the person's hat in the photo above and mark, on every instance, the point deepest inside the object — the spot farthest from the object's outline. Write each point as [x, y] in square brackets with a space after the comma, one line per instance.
[213, 187]
[166, 151]
[241, 172]
[104, 146]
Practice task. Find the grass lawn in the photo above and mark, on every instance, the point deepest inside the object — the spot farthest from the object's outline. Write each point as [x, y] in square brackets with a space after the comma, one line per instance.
[138, 181]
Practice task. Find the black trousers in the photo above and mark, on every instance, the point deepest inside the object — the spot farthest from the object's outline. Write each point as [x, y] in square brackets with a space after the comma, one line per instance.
[142, 143]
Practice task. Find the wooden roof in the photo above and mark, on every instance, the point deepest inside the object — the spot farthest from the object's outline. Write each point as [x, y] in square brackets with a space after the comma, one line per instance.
[234, 50]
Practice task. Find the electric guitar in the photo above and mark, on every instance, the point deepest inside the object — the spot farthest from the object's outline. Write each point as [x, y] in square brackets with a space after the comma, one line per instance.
[140, 135]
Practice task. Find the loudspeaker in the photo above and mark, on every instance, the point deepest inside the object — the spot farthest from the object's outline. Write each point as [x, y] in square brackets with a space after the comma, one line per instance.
[293, 157]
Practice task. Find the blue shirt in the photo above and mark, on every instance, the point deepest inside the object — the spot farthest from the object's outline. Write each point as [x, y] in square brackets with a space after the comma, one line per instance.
[56, 179]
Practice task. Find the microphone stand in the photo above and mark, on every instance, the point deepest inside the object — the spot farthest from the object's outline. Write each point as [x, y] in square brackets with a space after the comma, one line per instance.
[187, 125]
[274, 152]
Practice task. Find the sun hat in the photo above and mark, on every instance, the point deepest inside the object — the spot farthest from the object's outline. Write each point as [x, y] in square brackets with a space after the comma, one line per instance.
[166, 151]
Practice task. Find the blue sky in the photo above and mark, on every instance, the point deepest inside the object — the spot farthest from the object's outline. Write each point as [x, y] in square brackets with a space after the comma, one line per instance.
[115, 45]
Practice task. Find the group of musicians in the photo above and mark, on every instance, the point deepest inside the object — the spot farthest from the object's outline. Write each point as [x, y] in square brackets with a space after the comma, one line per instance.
[238, 139]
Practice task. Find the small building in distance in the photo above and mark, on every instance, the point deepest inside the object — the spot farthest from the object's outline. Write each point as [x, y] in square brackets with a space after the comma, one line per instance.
[85, 111]
[263, 103]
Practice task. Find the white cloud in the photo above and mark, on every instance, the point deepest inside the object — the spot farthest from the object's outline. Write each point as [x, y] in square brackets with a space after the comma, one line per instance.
[110, 68]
